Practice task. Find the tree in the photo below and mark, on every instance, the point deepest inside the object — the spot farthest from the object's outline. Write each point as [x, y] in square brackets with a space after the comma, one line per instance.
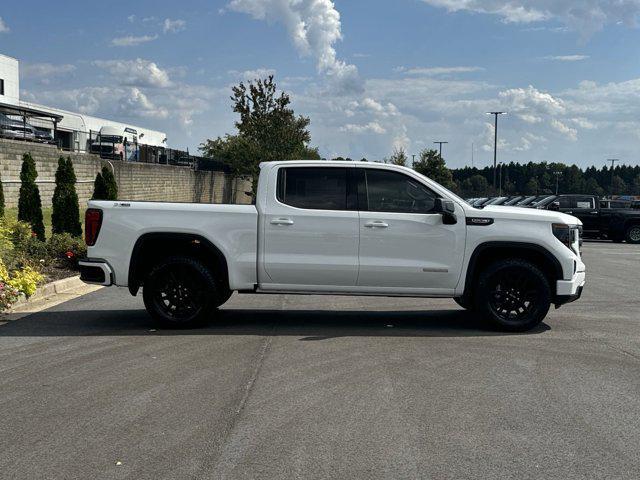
[1, 198]
[618, 186]
[475, 186]
[592, 187]
[432, 165]
[65, 217]
[105, 186]
[29, 203]
[268, 130]
[398, 157]
[532, 187]
[635, 185]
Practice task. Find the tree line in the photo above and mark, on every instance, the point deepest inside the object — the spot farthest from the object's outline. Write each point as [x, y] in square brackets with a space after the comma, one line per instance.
[540, 178]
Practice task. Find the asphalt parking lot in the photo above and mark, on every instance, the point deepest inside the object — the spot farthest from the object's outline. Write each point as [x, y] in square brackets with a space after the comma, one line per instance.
[327, 387]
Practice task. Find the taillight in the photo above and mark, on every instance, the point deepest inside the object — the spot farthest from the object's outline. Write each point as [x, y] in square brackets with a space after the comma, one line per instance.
[92, 223]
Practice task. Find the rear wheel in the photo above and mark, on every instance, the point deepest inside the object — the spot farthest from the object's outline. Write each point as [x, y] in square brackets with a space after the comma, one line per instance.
[633, 234]
[513, 295]
[180, 292]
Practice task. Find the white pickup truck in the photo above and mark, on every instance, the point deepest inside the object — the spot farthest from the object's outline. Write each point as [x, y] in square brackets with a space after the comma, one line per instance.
[337, 228]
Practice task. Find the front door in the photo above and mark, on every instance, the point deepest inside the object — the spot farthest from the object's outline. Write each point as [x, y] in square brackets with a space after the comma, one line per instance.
[403, 243]
[311, 229]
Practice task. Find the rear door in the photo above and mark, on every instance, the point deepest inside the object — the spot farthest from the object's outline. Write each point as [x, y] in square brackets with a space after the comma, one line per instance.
[311, 229]
[585, 208]
[403, 243]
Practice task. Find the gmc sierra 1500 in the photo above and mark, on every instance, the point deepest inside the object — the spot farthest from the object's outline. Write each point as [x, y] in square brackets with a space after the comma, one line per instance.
[340, 228]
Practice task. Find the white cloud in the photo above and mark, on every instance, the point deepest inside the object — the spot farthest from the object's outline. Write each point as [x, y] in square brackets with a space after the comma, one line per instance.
[3, 27]
[131, 18]
[435, 71]
[132, 41]
[530, 102]
[248, 75]
[373, 127]
[314, 27]
[586, 16]
[173, 26]
[570, 133]
[45, 70]
[137, 73]
[567, 58]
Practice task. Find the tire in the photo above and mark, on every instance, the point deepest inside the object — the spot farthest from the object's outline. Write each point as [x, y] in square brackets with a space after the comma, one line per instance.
[464, 303]
[180, 292]
[513, 295]
[633, 234]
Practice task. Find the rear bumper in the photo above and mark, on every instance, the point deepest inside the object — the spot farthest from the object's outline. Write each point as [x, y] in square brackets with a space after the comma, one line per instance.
[569, 290]
[95, 271]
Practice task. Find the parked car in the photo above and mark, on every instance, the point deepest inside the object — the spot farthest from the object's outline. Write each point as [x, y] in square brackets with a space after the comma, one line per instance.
[608, 203]
[497, 201]
[17, 129]
[617, 224]
[529, 200]
[513, 201]
[479, 201]
[43, 135]
[349, 228]
[542, 203]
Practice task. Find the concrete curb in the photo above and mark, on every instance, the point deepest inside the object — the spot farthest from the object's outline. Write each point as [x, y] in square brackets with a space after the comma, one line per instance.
[45, 292]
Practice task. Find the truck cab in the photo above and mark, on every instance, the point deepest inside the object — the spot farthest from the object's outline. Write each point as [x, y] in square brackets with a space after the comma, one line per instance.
[115, 143]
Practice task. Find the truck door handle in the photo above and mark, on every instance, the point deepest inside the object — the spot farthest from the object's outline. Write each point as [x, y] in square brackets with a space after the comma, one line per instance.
[281, 221]
[376, 224]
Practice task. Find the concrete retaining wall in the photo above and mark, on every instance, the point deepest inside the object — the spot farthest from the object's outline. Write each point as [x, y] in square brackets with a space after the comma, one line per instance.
[136, 181]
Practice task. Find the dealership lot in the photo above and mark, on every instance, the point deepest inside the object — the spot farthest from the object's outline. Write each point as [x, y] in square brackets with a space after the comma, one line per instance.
[327, 387]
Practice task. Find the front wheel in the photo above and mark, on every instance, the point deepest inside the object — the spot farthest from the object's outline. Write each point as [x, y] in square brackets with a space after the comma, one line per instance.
[513, 295]
[633, 234]
[180, 292]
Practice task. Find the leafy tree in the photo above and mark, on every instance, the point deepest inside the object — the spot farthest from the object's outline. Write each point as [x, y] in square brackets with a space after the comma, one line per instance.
[105, 186]
[618, 186]
[475, 186]
[532, 187]
[1, 198]
[65, 217]
[398, 157]
[635, 186]
[591, 186]
[29, 203]
[268, 130]
[432, 165]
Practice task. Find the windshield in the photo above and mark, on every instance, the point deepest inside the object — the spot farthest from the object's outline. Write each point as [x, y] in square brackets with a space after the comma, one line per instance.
[110, 139]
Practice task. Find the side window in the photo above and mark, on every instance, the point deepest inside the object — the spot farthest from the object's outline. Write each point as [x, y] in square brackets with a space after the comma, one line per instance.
[566, 202]
[318, 188]
[584, 202]
[387, 191]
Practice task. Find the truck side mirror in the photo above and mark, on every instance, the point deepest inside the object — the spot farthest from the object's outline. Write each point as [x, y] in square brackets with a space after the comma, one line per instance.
[554, 206]
[447, 209]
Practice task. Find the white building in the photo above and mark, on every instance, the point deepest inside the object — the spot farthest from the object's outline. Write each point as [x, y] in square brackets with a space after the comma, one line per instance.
[72, 131]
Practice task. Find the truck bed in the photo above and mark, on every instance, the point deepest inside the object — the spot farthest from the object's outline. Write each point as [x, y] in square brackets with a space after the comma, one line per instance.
[233, 229]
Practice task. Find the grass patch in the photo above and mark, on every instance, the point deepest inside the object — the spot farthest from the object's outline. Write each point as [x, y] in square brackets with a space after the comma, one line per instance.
[46, 217]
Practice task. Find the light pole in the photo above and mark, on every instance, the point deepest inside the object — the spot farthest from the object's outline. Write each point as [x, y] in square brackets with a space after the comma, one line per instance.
[440, 143]
[495, 145]
[557, 174]
[613, 162]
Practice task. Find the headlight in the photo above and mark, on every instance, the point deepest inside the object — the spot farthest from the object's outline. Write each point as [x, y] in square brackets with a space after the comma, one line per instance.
[569, 235]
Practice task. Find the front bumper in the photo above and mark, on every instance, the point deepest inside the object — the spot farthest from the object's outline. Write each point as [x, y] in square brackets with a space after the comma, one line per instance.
[95, 271]
[569, 290]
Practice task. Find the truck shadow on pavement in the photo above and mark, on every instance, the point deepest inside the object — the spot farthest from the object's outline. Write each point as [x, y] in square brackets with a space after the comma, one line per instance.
[310, 325]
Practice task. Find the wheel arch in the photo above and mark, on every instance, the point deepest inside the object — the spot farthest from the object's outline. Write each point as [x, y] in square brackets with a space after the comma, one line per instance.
[489, 252]
[154, 246]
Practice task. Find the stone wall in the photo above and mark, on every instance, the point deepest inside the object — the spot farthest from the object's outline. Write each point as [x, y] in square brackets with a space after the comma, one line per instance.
[136, 181]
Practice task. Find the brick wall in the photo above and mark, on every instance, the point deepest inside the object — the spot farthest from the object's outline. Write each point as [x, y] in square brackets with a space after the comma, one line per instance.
[136, 181]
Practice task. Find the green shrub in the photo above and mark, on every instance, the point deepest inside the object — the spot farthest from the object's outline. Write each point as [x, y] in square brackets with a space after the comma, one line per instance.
[29, 204]
[65, 217]
[105, 186]
[67, 248]
[1, 198]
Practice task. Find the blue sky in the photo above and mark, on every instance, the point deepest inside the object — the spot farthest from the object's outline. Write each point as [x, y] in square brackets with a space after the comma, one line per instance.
[372, 75]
